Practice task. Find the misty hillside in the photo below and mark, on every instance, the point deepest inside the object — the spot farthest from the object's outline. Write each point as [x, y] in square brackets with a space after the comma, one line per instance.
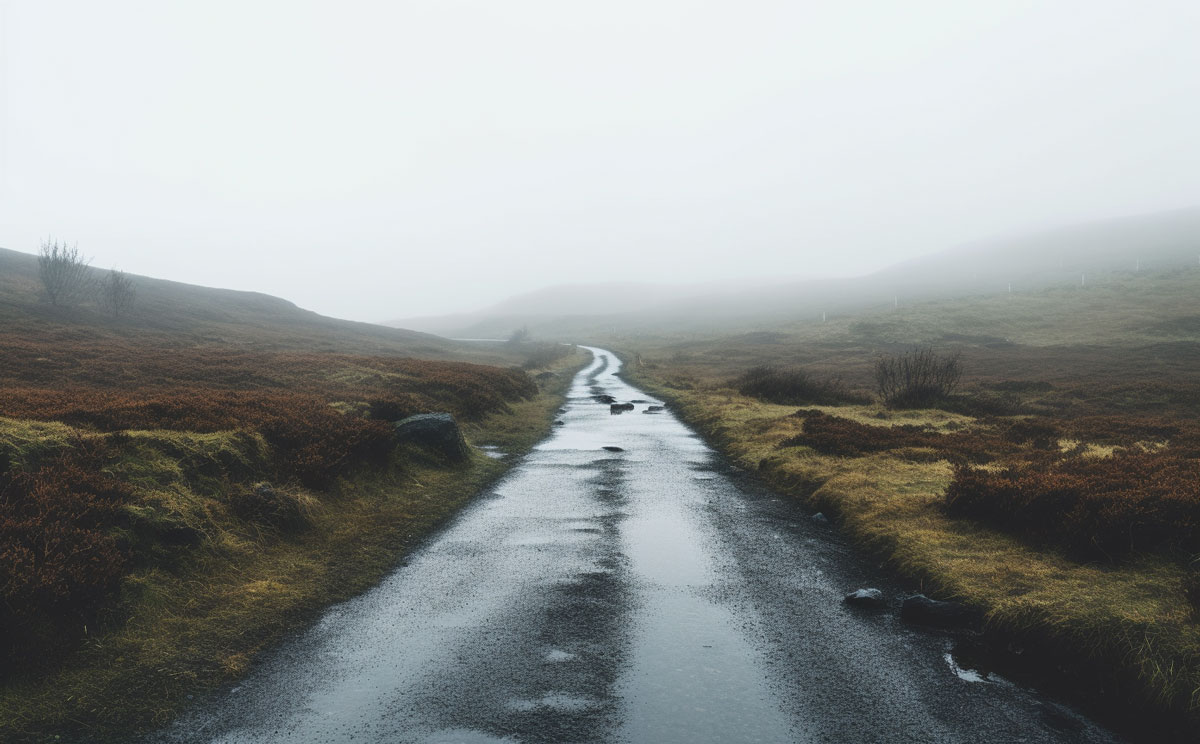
[1066, 256]
[577, 301]
[181, 314]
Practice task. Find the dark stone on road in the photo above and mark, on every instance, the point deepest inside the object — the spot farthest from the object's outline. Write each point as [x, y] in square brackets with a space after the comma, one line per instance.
[620, 407]
[868, 598]
[560, 422]
[604, 399]
[654, 409]
[639, 401]
[437, 431]
[612, 448]
[922, 610]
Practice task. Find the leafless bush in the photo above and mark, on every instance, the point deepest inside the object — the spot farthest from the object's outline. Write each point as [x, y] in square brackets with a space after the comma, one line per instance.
[117, 293]
[65, 275]
[917, 378]
[519, 336]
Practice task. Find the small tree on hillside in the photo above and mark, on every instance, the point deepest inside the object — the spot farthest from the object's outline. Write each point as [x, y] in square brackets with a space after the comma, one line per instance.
[117, 293]
[65, 275]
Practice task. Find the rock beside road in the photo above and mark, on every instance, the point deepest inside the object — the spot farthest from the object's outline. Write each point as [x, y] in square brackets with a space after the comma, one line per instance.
[922, 610]
[868, 598]
[436, 431]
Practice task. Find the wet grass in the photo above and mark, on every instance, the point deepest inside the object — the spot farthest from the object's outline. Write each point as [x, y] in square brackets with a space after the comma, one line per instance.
[1119, 633]
[183, 485]
[192, 616]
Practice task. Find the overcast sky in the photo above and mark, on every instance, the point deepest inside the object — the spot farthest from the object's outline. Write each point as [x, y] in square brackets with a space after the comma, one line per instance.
[375, 160]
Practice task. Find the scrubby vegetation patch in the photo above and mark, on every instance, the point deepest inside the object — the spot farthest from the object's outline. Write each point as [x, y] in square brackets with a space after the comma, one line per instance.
[1095, 508]
[792, 387]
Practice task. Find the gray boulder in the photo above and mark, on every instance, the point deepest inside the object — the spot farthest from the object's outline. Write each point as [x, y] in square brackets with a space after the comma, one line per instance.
[868, 598]
[435, 431]
[922, 610]
[620, 407]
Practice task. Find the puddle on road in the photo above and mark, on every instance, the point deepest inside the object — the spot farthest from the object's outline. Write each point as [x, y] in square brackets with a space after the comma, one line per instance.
[695, 675]
[967, 675]
[696, 678]
[969, 666]
[466, 736]
[664, 550]
[556, 701]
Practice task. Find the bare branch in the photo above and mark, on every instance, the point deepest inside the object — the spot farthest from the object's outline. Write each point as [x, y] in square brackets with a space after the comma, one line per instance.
[65, 275]
[117, 293]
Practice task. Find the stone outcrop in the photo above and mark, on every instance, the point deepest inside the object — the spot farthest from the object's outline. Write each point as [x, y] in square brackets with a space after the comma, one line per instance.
[438, 432]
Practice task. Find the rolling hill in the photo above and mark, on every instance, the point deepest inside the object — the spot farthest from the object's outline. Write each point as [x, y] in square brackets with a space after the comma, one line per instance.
[1061, 257]
[176, 314]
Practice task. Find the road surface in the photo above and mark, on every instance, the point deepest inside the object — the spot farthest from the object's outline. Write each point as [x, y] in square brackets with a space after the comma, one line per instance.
[643, 594]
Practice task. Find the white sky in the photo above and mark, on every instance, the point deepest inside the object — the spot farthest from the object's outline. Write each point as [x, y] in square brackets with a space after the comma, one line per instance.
[374, 160]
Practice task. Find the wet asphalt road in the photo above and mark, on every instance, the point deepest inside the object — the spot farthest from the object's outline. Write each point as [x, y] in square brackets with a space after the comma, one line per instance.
[645, 595]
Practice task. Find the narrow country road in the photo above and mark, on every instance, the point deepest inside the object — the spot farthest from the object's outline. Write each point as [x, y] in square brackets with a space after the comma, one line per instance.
[646, 594]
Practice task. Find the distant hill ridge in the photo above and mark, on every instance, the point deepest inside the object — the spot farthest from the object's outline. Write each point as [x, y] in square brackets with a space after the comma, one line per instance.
[1060, 256]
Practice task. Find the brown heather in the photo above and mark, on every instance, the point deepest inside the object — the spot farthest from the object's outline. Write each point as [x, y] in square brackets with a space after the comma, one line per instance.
[62, 518]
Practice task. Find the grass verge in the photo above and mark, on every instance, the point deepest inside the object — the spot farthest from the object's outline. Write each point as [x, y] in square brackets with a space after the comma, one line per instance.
[194, 616]
[1122, 638]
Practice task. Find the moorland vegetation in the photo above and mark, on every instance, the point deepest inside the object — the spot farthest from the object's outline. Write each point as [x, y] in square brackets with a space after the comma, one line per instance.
[1043, 466]
[172, 499]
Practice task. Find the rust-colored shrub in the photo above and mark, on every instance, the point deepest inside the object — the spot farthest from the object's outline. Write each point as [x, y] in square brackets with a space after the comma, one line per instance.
[1094, 508]
[59, 561]
[114, 387]
[393, 407]
[1041, 434]
[834, 435]
[60, 556]
[315, 442]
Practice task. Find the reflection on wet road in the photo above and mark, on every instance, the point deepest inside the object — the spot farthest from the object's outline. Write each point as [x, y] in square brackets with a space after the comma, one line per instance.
[638, 594]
